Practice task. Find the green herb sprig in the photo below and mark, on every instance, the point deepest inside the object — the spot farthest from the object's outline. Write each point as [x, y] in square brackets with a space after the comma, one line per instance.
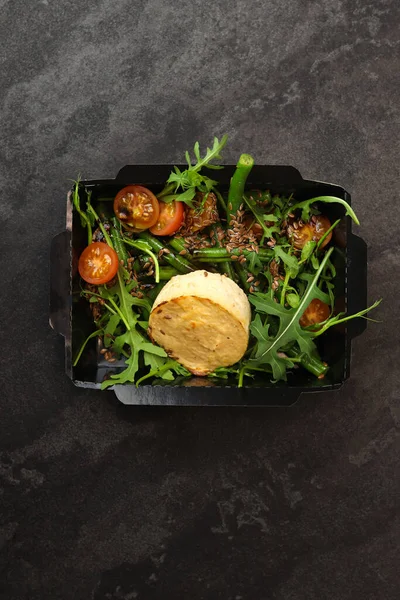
[191, 180]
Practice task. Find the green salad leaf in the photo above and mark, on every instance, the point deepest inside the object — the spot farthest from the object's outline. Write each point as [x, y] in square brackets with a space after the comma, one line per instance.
[259, 215]
[268, 349]
[183, 185]
[306, 206]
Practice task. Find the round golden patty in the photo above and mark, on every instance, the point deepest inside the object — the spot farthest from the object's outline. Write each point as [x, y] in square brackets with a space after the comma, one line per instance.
[202, 320]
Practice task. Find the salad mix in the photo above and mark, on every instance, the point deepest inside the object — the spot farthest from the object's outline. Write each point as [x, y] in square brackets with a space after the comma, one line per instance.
[277, 249]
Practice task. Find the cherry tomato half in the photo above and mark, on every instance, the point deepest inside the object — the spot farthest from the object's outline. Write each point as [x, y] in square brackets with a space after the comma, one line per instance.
[136, 207]
[170, 218]
[313, 230]
[316, 312]
[98, 263]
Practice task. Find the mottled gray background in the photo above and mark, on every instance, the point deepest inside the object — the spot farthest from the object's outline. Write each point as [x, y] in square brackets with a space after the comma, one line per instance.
[103, 502]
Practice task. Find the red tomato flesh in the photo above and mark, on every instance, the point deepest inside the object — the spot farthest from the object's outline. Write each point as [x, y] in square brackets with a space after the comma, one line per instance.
[170, 218]
[136, 207]
[98, 263]
[316, 312]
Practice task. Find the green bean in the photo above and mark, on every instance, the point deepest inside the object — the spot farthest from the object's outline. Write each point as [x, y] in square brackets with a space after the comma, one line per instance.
[118, 242]
[225, 265]
[167, 272]
[152, 294]
[177, 243]
[311, 363]
[180, 263]
[221, 200]
[238, 181]
[242, 273]
[217, 254]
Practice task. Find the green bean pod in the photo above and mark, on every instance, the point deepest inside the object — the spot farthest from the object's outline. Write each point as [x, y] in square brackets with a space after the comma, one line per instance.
[238, 181]
[177, 244]
[152, 294]
[226, 266]
[218, 254]
[312, 364]
[180, 263]
[118, 242]
[167, 272]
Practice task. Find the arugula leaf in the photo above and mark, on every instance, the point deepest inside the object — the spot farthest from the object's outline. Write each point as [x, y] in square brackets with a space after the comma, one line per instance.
[307, 250]
[211, 154]
[162, 370]
[314, 262]
[290, 331]
[190, 181]
[319, 294]
[260, 332]
[136, 341]
[271, 217]
[254, 263]
[223, 372]
[288, 259]
[259, 215]
[110, 328]
[156, 363]
[342, 318]
[306, 206]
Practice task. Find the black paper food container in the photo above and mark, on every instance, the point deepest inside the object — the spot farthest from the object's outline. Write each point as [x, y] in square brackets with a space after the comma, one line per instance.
[69, 314]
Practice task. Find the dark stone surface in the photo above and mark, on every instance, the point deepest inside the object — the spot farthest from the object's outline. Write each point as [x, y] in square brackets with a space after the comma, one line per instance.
[99, 501]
